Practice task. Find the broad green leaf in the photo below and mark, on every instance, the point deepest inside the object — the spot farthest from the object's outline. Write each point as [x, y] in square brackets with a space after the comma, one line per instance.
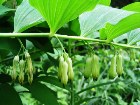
[138, 43]
[131, 74]
[19, 2]
[97, 18]
[135, 103]
[2, 1]
[11, 45]
[75, 26]
[105, 2]
[133, 7]
[59, 12]
[25, 17]
[4, 9]
[50, 79]
[8, 95]
[50, 61]
[134, 36]
[125, 25]
[120, 38]
[43, 94]
[43, 44]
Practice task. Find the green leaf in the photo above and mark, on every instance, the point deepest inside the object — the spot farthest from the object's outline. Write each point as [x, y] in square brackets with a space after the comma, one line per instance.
[133, 7]
[43, 44]
[125, 25]
[51, 61]
[105, 2]
[86, 99]
[50, 79]
[138, 43]
[134, 36]
[43, 94]
[2, 1]
[8, 95]
[4, 9]
[26, 16]
[19, 2]
[11, 45]
[97, 18]
[59, 12]
[120, 38]
[131, 74]
[75, 26]
[135, 103]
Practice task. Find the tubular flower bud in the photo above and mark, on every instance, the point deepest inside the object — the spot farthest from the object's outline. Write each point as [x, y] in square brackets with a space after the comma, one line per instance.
[61, 60]
[22, 65]
[112, 70]
[64, 78]
[29, 65]
[95, 68]
[21, 77]
[132, 55]
[87, 72]
[15, 67]
[119, 64]
[30, 78]
[70, 69]
[21, 73]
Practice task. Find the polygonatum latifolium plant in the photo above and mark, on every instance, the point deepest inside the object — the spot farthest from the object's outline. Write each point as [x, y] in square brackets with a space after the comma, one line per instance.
[69, 69]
